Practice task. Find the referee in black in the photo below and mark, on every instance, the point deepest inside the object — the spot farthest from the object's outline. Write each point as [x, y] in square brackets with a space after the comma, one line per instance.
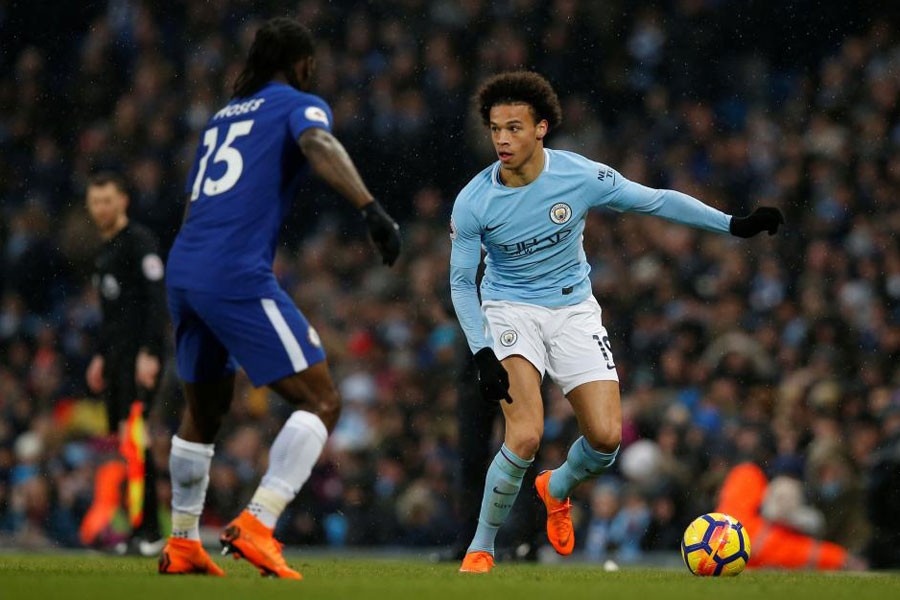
[128, 275]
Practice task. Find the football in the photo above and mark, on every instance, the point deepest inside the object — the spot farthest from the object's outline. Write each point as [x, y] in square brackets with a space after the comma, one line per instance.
[715, 544]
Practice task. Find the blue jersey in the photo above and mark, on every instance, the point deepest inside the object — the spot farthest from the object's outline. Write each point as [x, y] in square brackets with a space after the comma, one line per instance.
[532, 235]
[245, 176]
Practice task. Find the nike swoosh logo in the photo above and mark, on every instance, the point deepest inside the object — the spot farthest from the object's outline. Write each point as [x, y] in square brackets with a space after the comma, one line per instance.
[496, 491]
[486, 228]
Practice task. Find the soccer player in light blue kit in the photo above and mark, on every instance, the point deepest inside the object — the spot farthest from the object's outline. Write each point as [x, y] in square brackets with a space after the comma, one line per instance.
[537, 313]
[227, 307]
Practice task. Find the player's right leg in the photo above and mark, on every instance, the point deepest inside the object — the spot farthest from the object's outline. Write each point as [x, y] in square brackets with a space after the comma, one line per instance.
[208, 374]
[189, 462]
[524, 429]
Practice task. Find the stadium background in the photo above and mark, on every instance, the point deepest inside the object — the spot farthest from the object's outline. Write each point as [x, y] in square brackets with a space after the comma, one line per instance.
[784, 349]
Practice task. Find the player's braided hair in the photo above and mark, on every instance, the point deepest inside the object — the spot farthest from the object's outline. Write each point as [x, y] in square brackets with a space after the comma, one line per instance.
[515, 87]
[278, 45]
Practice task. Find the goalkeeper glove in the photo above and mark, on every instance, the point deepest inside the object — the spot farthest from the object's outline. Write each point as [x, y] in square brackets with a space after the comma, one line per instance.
[493, 380]
[384, 231]
[764, 218]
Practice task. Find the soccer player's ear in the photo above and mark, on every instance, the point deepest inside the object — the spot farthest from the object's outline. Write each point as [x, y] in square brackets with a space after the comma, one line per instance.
[541, 129]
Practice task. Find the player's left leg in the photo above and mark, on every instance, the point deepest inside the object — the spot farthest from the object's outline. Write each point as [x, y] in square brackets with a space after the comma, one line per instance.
[598, 408]
[277, 347]
[294, 452]
[598, 411]
[581, 362]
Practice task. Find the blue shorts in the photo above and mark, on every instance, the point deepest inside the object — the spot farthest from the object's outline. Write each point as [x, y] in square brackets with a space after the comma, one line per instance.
[268, 337]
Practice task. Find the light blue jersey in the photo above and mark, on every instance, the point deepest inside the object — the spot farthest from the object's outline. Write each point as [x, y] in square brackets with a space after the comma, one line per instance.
[532, 234]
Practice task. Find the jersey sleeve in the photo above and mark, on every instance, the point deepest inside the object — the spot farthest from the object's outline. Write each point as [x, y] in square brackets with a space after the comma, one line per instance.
[153, 294]
[312, 111]
[607, 187]
[465, 255]
[465, 236]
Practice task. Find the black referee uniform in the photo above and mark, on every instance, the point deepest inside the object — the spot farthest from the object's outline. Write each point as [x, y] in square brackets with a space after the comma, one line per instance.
[128, 274]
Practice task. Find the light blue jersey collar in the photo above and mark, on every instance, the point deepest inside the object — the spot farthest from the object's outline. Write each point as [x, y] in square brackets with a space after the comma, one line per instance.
[495, 176]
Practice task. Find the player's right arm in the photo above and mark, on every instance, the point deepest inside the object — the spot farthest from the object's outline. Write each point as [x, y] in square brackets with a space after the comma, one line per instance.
[330, 161]
[465, 255]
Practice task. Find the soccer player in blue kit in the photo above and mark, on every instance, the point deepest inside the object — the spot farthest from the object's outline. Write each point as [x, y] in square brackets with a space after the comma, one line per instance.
[227, 307]
[537, 313]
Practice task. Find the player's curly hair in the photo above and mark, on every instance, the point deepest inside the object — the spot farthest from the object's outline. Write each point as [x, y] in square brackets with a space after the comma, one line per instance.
[278, 45]
[515, 87]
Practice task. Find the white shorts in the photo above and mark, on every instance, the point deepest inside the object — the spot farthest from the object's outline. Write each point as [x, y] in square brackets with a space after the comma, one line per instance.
[570, 343]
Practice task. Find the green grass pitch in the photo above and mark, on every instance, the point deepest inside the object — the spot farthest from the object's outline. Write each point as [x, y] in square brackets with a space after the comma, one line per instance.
[92, 577]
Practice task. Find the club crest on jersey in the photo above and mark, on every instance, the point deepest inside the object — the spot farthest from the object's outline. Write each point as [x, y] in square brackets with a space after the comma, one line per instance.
[452, 229]
[508, 338]
[560, 213]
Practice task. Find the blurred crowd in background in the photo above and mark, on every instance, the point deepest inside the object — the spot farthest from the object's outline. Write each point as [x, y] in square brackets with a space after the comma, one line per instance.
[783, 350]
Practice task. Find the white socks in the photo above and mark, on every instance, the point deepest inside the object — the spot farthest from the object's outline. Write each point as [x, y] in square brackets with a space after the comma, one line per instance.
[189, 470]
[291, 459]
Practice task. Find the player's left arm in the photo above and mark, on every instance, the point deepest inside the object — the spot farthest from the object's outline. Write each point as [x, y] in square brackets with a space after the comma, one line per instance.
[624, 195]
[153, 310]
[310, 126]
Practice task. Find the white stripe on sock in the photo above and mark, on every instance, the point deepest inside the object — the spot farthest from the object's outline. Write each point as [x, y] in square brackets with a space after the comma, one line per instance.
[291, 345]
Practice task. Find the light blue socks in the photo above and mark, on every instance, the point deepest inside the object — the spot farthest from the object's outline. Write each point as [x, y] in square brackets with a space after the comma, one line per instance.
[504, 478]
[582, 463]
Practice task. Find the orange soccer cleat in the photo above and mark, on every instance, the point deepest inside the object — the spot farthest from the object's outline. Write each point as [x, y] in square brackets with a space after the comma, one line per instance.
[477, 562]
[182, 557]
[559, 520]
[246, 537]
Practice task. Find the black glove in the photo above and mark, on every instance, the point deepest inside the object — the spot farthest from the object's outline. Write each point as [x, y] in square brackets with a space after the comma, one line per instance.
[384, 231]
[764, 218]
[493, 380]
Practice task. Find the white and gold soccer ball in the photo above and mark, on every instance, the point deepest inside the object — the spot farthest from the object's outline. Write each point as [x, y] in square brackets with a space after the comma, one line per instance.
[714, 545]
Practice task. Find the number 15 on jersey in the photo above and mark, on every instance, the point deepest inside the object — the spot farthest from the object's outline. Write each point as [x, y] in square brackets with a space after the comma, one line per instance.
[234, 162]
